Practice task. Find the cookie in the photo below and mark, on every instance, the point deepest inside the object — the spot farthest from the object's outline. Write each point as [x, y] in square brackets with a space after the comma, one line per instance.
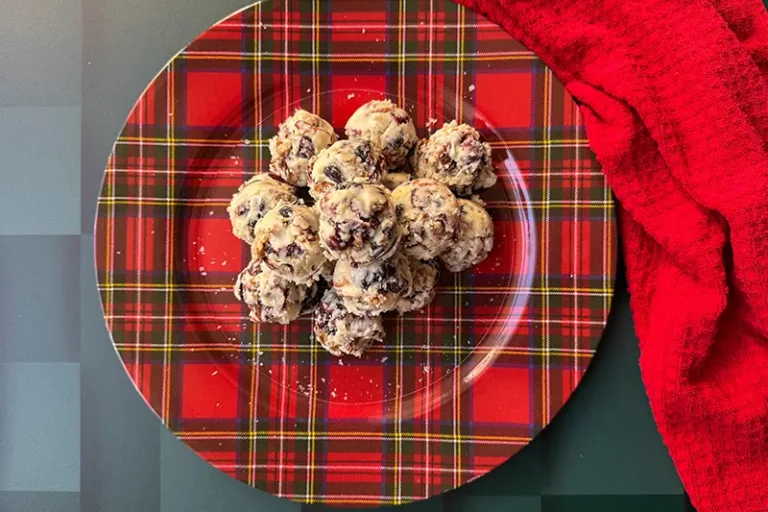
[299, 138]
[271, 298]
[455, 156]
[473, 240]
[373, 288]
[341, 332]
[346, 161]
[253, 200]
[428, 214]
[286, 241]
[424, 276]
[357, 223]
[387, 126]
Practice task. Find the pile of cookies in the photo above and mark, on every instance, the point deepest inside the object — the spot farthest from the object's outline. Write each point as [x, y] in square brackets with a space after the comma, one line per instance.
[384, 212]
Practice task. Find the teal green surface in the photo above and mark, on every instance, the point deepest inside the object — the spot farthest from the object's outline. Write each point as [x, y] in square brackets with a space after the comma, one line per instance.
[645, 503]
[39, 427]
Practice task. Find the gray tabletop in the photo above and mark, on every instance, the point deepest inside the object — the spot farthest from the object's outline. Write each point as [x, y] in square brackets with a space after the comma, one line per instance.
[74, 435]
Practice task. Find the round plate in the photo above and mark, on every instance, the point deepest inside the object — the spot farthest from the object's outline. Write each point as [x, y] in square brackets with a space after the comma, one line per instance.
[456, 389]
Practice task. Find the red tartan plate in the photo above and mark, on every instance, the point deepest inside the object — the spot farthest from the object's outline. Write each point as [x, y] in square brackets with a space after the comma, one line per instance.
[457, 388]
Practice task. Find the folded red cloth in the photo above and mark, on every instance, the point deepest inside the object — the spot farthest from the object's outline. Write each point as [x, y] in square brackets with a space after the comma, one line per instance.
[675, 99]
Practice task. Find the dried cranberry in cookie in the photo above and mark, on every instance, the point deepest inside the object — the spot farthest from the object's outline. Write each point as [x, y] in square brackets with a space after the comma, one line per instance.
[346, 161]
[357, 223]
[455, 156]
[341, 332]
[253, 200]
[286, 241]
[424, 276]
[428, 214]
[387, 126]
[374, 288]
[473, 240]
[271, 298]
[299, 139]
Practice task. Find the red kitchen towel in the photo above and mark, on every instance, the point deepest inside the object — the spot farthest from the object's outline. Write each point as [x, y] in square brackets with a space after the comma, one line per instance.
[675, 98]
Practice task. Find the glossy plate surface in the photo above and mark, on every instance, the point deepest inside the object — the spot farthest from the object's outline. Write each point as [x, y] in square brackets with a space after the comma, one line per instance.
[457, 388]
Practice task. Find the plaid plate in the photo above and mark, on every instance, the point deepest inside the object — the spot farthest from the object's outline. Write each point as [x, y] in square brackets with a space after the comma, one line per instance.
[457, 388]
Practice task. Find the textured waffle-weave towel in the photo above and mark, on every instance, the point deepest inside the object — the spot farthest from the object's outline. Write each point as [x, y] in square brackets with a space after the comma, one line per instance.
[675, 98]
